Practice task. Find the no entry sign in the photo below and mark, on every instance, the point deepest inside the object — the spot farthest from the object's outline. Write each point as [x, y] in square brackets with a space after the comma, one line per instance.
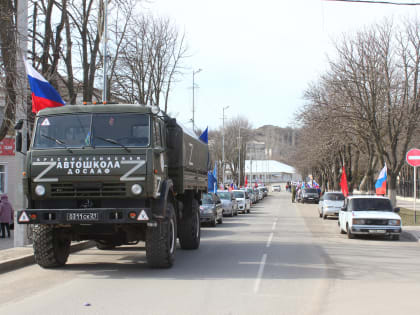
[413, 157]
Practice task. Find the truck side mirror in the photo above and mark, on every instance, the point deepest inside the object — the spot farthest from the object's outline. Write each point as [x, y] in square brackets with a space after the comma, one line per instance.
[18, 142]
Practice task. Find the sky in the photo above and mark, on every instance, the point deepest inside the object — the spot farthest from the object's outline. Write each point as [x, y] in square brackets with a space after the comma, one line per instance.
[258, 57]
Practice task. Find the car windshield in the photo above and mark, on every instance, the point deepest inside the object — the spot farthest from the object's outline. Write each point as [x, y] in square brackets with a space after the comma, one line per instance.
[311, 190]
[207, 200]
[334, 197]
[224, 195]
[239, 194]
[370, 204]
[97, 130]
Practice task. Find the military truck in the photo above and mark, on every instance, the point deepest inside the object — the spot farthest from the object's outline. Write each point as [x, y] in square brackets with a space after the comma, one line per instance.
[114, 174]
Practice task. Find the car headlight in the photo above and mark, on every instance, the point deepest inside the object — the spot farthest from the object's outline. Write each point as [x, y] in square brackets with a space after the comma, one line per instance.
[40, 190]
[358, 221]
[136, 189]
[394, 222]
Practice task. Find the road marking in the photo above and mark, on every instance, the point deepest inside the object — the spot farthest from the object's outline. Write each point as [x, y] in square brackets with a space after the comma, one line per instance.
[274, 226]
[260, 273]
[270, 238]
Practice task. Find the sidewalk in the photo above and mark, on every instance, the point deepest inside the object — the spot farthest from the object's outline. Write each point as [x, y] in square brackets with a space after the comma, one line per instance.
[12, 258]
[408, 203]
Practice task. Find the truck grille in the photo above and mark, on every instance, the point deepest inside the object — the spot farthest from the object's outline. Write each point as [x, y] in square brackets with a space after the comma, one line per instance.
[88, 190]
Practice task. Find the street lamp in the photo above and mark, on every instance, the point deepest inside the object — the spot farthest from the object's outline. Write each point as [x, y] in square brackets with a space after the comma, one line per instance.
[193, 96]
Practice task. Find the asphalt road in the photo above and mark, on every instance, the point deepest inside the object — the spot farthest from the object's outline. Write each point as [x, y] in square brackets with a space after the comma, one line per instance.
[280, 259]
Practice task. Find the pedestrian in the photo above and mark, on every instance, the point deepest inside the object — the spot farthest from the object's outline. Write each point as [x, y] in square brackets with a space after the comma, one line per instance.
[6, 216]
[293, 193]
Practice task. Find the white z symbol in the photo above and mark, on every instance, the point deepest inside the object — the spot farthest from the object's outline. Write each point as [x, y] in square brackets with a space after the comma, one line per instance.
[191, 145]
[39, 178]
[138, 164]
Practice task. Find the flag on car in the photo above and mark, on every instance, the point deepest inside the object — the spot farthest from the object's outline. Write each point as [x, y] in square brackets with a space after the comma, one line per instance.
[380, 185]
[343, 183]
[205, 136]
[43, 94]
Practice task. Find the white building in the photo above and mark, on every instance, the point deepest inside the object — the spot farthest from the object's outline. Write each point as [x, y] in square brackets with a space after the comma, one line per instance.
[270, 171]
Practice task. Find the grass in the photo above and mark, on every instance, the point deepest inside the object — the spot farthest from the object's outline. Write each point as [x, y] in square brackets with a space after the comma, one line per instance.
[407, 217]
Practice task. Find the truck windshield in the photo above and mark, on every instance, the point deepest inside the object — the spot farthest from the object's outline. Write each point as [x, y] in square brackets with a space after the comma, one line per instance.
[97, 130]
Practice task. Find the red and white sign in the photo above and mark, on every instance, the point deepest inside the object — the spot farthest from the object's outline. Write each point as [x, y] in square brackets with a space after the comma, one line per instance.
[7, 146]
[413, 157]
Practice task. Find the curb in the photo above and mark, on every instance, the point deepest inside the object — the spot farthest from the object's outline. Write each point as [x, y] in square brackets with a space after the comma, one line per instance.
[26, 260]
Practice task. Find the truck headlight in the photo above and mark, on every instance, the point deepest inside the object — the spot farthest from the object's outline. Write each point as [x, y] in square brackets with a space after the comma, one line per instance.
[394, 222]
[358, 221]
[136, 189]
[40, 190]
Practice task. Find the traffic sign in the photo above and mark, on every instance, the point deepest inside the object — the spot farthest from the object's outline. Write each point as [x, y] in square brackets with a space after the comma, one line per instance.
[413, 157]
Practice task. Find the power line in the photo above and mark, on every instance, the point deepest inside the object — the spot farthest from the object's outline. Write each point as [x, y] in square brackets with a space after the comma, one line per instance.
[377, 2]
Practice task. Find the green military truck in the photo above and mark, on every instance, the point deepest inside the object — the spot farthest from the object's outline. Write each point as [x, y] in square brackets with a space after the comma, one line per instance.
[115, 174]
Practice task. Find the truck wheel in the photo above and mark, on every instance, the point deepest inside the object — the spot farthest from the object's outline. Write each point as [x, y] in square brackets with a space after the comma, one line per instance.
[161, 241]
[50, 248]
[105, 245]
[189, 228]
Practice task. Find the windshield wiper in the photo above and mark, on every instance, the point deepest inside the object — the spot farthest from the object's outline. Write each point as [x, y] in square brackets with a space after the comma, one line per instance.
[113, 142]
[58, 141]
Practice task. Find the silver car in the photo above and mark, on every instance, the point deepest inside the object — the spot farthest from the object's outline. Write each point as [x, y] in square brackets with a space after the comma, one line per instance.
[229, 204]
[330, 204]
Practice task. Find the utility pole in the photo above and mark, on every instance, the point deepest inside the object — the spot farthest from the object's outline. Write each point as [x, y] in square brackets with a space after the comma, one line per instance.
[239, 159]
[223, 146]
[193, 97]
[105, 52]
[20, 238]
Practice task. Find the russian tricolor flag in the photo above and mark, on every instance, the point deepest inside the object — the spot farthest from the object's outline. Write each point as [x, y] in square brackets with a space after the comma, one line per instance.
[381, 182]
[43, 94]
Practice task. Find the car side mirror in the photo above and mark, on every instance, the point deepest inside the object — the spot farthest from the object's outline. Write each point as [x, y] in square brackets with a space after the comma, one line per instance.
[396, 210]
[18, 142]
[343, 209]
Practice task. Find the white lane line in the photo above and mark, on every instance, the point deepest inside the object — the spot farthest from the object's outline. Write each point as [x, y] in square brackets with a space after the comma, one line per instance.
[270, 238]
[260, 273]
[274, 226]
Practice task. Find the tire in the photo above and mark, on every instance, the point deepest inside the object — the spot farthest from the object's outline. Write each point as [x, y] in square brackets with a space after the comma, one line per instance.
[395, 237]
[303, 201]
[105, 245]
[161, 241]
[213, 223]
[220, 221]
[350, 235]
[189, 228]
[320, 214]
[50, 248]
[324, 217]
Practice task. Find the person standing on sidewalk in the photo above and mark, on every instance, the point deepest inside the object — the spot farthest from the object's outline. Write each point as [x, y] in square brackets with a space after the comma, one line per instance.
[6, 215]
[293, 193]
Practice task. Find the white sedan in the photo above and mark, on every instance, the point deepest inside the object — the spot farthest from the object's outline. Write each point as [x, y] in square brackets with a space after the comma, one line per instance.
[369, 215]
[330, 204]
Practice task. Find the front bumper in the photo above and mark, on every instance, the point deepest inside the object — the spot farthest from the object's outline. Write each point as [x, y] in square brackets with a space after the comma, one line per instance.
[84, 216]
[312, 199]
[331, 211]
[207, 217]
[376, 230]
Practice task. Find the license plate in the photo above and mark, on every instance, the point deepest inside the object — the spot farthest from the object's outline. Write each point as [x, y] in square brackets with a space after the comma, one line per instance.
[377, 231]
[82, 216]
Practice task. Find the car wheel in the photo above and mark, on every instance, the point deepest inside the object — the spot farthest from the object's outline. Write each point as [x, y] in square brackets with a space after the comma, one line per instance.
[213, 223]
[220, 221]
[395, 237]
[320, 214]
[324, 216]
[303, 201]
[350, 235]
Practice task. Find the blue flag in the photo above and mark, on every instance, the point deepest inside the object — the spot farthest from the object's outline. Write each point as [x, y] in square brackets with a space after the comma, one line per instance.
[212, 180]
[205, 136]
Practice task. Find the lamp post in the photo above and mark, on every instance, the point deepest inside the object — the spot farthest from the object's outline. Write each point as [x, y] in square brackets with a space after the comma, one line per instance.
[239, 157]
[193, 96]
[223, 146]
